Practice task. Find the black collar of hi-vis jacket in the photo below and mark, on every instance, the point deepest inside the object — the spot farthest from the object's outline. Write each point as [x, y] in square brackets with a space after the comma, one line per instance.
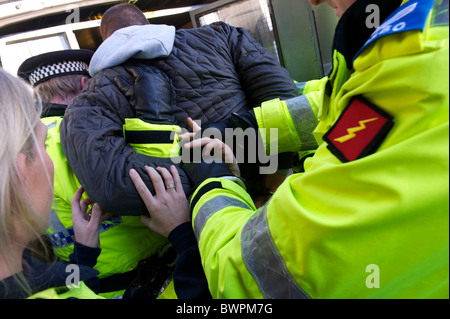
[352, 30]
[53, 109]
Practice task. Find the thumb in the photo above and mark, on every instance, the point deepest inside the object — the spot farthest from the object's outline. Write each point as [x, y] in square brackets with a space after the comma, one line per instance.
[146, 220]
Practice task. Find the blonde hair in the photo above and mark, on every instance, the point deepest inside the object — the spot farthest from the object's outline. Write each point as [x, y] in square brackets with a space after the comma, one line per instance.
[19, 115]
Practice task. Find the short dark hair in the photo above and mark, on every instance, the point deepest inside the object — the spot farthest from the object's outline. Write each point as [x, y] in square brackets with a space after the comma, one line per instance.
[120, 16]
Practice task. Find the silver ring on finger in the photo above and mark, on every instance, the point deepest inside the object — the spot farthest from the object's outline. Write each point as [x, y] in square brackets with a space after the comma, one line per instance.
[171, 186]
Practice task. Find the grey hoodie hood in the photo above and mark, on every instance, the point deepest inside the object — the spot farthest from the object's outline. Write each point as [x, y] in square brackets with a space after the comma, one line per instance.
[139, 42]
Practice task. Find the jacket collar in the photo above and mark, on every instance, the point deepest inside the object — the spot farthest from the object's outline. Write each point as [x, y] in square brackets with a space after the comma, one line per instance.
[53, 109]
[352, 33]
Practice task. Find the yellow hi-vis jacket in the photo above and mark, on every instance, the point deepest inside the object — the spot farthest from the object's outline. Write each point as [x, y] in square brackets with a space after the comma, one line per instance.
[366, 221]
[124, 240]
[82, 291]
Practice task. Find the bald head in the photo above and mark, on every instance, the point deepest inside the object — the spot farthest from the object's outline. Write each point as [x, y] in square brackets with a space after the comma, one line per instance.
[121, 16]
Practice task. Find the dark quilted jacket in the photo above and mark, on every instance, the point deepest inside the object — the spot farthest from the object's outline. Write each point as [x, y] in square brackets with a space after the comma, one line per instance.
[211, 72]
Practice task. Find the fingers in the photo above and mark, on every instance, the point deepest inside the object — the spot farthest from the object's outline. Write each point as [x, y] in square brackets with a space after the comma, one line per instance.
[214, 148]
[190, 122]
[193, 125]
[163, 184]
[159, 183]
[79, 208]
[156, 179]
[96, 214]
[227, 155]
[168, 179]
[198, 142]
[84, 204]
[169, 207]
[186, 137]
[176, 179]
[76, 198]
[142, 189]
[189, 136]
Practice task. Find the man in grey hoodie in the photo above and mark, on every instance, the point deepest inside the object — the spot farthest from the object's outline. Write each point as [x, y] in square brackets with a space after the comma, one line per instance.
[156, 75]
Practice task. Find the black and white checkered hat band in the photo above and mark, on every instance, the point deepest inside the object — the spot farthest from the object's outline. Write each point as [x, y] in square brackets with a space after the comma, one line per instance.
[61, 68]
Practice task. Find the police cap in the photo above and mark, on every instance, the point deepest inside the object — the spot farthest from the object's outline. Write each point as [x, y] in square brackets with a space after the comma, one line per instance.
[43, 67]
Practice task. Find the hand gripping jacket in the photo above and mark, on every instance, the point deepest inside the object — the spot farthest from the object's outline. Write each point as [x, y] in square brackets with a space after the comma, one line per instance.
[368, 224]
[125, 241]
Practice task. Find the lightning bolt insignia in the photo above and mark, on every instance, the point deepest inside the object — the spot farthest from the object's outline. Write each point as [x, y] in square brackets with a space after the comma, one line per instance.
[351, 131]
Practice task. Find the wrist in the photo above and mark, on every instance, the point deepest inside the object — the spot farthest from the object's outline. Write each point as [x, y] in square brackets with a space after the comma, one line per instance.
[182, 237]
[88, 242]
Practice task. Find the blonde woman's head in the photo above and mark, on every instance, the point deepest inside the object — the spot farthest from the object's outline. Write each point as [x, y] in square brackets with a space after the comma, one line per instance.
[26, 170]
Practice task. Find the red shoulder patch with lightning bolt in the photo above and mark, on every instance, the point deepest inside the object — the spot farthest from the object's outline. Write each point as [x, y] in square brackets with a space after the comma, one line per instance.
[359, 130]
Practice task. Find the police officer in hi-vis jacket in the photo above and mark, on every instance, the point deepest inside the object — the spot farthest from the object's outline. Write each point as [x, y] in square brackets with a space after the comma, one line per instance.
[368, 217]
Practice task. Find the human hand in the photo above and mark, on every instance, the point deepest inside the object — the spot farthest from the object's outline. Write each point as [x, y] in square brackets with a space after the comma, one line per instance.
[169, 207]
[211, 147]
[189, 136]
[85, 226]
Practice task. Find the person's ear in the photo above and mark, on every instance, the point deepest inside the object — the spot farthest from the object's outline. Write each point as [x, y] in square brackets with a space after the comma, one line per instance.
[83, 82]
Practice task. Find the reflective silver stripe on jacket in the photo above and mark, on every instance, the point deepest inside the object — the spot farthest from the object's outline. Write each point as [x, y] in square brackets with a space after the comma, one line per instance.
[264, 262]
[440, 14]
[63, 237]
[304, 120]
[212, 206]
[51, 125]
[300, 87]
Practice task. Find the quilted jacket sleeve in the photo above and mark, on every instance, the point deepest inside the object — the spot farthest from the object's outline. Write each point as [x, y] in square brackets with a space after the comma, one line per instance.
[260, 73]
[92, 140]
